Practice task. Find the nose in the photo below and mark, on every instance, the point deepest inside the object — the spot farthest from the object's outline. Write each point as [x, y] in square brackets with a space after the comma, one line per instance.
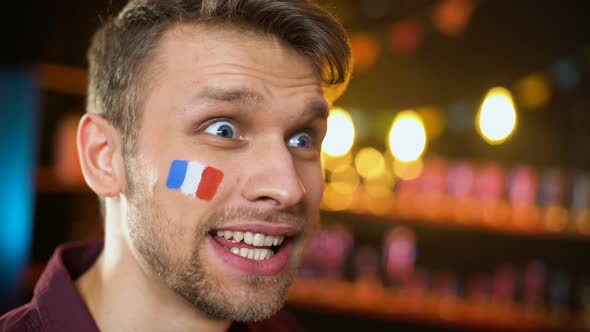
[272, 178]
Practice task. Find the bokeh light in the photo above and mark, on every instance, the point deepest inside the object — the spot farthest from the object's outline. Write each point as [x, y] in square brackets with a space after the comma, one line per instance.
[345, 179]
[406, 36]
[408, 170]
[533, 91]
[407, 136]
[331, 163]
[369, 163]
[365, 50]
[380, 186]
[334, 199]
[565, 74]
[496, 119]
[340, 135]
[377, 190]
[451, 17]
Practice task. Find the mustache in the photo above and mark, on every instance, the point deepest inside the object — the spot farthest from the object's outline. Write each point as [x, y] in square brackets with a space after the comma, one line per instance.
[221, 217]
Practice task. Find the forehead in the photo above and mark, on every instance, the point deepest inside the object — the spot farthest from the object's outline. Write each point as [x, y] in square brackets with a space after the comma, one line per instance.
[215, 49]
[198, 70]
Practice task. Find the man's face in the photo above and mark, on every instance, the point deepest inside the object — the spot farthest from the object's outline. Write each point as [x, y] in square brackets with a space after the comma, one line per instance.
[253, 108]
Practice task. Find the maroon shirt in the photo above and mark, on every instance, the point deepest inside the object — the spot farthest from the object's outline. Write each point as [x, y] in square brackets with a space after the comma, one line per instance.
[57, 305]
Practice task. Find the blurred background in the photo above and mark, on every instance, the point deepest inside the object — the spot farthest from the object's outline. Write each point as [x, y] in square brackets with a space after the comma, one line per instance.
[457, 164]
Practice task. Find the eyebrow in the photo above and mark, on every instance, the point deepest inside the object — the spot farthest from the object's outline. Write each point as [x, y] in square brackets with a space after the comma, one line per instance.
[244, 95]
[319, 109]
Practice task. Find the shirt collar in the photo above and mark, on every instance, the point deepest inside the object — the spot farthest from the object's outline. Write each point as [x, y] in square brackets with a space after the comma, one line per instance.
[61, 308]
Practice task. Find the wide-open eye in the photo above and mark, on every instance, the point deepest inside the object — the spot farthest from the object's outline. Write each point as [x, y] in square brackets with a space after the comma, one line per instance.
[301, 140]
[222, 128]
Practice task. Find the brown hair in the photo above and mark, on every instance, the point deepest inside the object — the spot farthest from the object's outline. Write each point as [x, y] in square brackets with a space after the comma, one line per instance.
[120, 50]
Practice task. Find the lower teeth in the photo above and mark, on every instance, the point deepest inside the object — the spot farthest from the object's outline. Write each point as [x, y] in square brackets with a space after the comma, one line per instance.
[254, 254]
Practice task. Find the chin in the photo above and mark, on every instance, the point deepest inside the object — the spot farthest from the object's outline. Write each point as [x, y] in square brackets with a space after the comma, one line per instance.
[251, 298]
[225, 293]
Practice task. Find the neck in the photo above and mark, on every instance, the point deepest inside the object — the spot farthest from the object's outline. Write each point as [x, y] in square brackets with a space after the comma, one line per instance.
[122, 297]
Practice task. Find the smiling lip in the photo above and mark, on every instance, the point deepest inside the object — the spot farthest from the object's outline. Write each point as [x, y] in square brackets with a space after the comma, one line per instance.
[270, 266]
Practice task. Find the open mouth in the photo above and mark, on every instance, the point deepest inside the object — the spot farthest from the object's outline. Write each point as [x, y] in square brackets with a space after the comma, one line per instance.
[250, 245]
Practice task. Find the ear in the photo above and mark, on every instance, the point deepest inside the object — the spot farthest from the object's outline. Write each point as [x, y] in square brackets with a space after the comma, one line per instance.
[99, 150]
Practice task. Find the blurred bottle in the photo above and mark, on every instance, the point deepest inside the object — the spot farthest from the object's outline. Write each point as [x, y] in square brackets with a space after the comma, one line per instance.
[368, 284]
[399, 256]
[434, 199]
[522, 194]
[447, 291]
[407, 199]
[533, 284]
[552, 200]
[504, 285]
[461, 189]
[478, 295]
[327, 255]
[366, 264]
[418, 288]
[559, 298]
[490, 195]
[415, 295]
[504, 292]
[445, 284]
[478, 288]
[584, 303]
[580, 203]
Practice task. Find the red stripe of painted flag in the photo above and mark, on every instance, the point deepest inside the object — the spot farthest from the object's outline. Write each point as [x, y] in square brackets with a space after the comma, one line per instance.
[210, 181]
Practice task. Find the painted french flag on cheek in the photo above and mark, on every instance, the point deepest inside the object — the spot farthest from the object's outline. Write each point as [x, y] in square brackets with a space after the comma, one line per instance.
[194, 179]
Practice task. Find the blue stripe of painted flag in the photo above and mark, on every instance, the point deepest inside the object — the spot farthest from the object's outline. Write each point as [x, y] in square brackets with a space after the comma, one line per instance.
[176, 174]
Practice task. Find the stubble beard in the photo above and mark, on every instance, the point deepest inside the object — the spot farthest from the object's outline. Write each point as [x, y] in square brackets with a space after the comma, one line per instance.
[151, 231]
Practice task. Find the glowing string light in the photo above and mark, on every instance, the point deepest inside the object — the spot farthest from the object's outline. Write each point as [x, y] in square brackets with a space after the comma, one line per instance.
[496, 119]
[407, 136]
[340, 135]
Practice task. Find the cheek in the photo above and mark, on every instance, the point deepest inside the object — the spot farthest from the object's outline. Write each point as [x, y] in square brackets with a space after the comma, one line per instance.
[313, 182]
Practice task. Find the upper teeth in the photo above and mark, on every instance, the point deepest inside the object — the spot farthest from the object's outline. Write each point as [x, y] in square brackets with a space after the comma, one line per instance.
[255, 239]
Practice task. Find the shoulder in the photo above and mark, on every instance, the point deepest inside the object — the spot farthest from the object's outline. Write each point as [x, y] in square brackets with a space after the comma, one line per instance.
[282, 321]
[25, 318]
